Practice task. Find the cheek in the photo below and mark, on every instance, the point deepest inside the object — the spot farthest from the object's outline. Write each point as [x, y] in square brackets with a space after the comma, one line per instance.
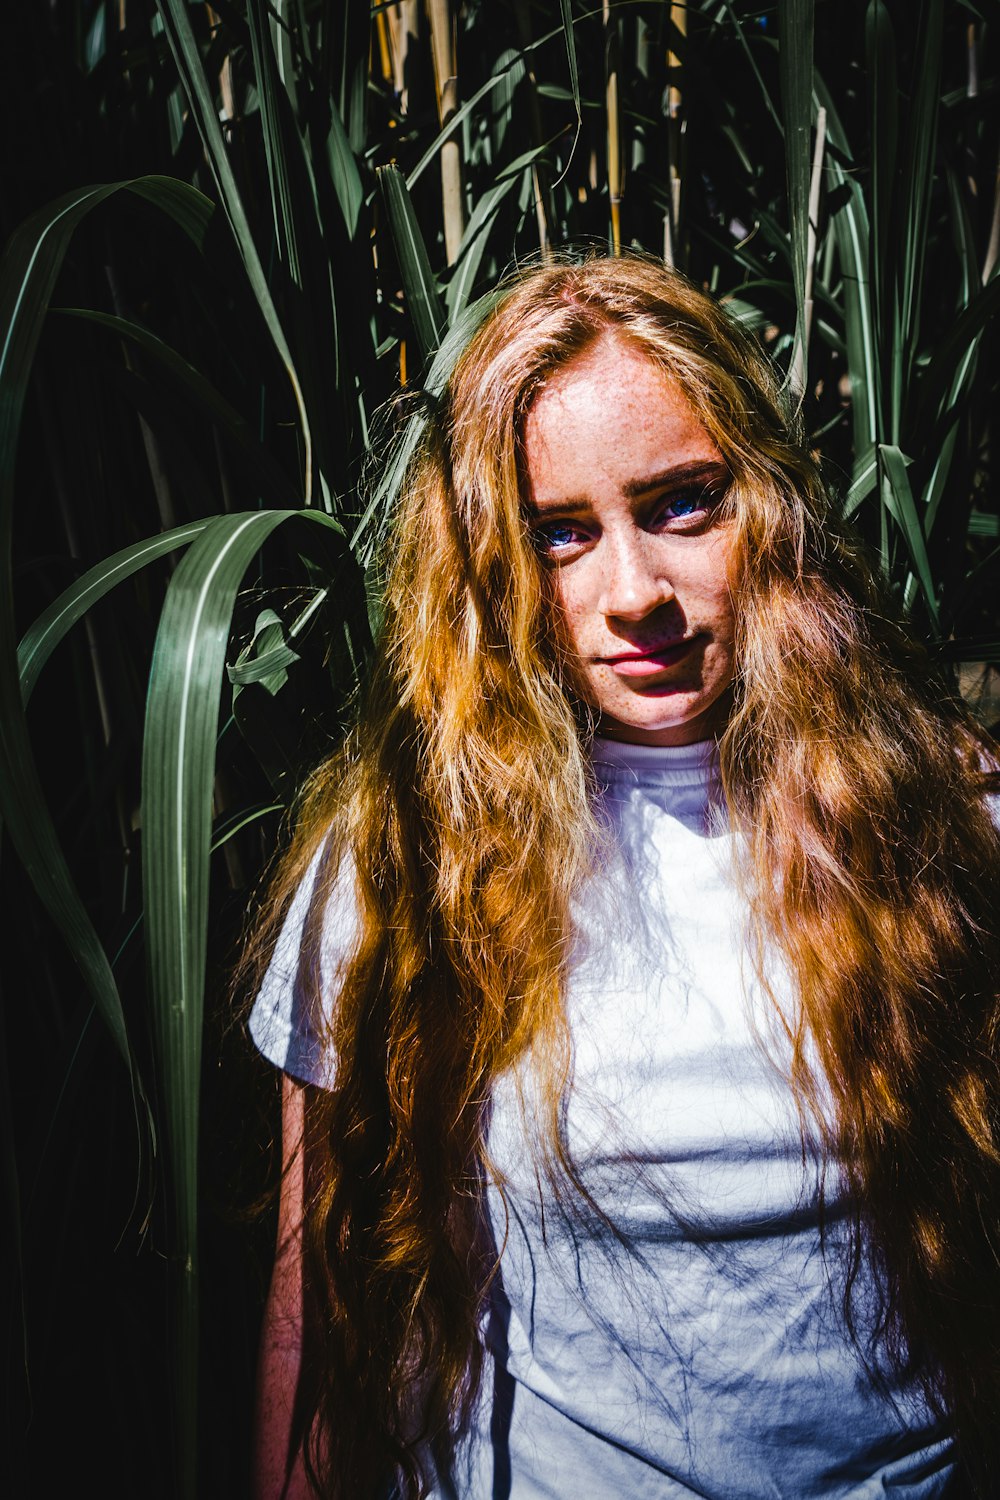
[724, 612]
[716, 574]
[569, 603]
[578, 633]
[561, 613]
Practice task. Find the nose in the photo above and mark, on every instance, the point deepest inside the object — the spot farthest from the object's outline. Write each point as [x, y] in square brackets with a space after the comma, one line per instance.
[634, 580]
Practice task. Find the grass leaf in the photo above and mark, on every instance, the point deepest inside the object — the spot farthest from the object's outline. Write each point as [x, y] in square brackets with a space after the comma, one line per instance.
[376, 515]
[177, 27]
[178, 773]
[28, 274]
[566, 6]
[41, 639]
[423, 300]
[884, 89]
[795, 60]
[899, 501]
[272, 483]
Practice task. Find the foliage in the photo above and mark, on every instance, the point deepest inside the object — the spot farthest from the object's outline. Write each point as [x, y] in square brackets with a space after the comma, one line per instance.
[297, 206]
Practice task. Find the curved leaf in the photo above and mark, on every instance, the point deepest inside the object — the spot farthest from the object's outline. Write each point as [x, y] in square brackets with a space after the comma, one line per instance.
[178, 772]
[899, 502]
[952, 353]
[28, 273]
[464, 110]
[849, 222]
[795, 62]
[478, 228]
[574, 73]
[765, 94]
[42, 638]
[201, 390]
[423, 300]
[177, 28]
[376, 514]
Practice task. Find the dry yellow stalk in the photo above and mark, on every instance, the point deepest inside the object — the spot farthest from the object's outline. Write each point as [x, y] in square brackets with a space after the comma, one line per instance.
[675, 131]
[615, 172]
[444, 50]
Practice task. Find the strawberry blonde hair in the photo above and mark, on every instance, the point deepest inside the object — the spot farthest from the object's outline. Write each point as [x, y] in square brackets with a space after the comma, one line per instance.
[462, 804]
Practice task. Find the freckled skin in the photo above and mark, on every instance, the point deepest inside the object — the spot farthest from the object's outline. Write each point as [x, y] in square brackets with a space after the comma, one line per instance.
[636, 567]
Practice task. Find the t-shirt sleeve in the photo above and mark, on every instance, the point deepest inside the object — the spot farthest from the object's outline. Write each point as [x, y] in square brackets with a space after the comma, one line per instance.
[291, 1012]
[993, 803]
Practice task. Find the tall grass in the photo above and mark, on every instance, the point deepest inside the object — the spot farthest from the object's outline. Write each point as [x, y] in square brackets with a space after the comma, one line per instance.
[235, 232]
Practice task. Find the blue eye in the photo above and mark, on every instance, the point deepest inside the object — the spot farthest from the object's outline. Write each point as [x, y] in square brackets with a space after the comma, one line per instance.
[685, 503]
[555, 536]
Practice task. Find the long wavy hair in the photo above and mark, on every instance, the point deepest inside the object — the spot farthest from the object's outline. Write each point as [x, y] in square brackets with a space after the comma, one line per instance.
[463, 808]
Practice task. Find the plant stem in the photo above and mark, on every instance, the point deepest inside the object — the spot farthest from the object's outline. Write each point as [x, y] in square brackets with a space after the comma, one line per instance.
[614, 127]
[675, 132]
[446, 79]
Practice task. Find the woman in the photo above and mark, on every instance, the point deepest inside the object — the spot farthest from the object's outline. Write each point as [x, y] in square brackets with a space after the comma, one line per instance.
[637, 984]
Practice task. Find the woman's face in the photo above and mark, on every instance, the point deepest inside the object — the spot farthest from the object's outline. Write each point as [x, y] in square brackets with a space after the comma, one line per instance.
[623, 489]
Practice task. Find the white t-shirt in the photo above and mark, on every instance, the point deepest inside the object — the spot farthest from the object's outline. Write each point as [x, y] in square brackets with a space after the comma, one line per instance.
[697, 1348]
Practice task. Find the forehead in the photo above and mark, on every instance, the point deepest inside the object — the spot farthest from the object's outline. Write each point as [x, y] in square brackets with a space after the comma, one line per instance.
[609, 417]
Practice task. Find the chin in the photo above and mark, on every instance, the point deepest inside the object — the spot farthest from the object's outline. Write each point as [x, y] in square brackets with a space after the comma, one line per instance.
[652, 723]
[685, 732]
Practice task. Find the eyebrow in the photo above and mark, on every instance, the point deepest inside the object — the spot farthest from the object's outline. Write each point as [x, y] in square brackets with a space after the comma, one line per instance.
[681, 474]
[672, 478]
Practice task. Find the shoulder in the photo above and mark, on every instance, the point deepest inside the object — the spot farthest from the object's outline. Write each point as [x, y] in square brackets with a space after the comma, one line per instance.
[291, 1014]
[985, 770]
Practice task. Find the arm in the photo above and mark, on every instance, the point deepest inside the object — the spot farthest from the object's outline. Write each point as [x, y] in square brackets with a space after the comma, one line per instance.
[280, 1355]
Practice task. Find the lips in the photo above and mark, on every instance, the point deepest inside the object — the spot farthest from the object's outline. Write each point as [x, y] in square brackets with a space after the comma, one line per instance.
[641, 663]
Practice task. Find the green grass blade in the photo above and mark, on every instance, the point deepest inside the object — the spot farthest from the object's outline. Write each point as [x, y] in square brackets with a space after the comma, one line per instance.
[30, 267]
[974, 649]
[948, 359]
[937, 485]
[423, 300]
[849, 225]
[267, 656]
[231, 826]
[566, 6]
[178, 772]
[884, 87]
[510, 71]
[919, 168]
[748, 51]
[965, 240]
[881, 49]
[863, 482]
[795, 61]
[512, 61]
[29, 823]
[344, 174]
[379, 508]
[478, 228]
[347, 60]
[898, 499]
[41, 639]
[473, 245]
[850, 228]
[962, 381]
[275, 157]
[282, 30]
[183, 45]
[273, 484]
